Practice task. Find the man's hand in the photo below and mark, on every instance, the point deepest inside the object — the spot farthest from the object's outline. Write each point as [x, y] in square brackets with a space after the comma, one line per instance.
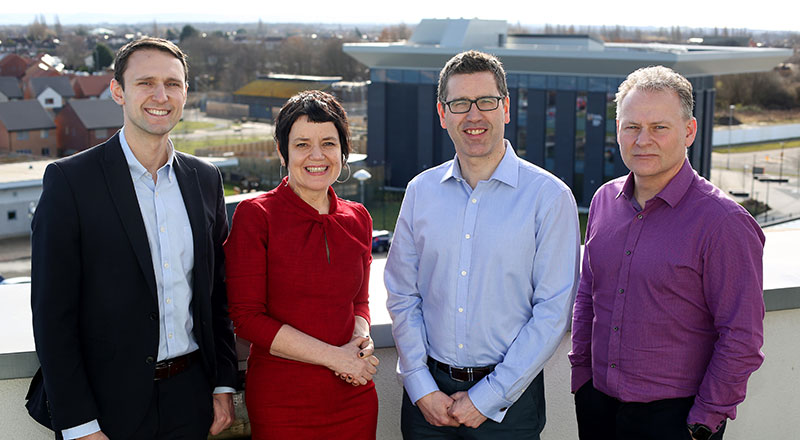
[94, 436]
[464, 412]
[435, 407]
[223, 413]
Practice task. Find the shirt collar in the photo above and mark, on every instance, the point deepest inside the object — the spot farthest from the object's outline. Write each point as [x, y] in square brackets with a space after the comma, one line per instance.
[673, 192]
[136, 168]
[507, 170]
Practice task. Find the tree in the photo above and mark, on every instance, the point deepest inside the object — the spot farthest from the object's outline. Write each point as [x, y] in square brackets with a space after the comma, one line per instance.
[187, 32]
[395, 33]
[37, 30]
[171, 35]
[103, 56]
[58, 28]
[73, 51]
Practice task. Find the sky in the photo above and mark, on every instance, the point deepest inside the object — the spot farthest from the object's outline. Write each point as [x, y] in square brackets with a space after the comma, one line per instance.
[754, 15]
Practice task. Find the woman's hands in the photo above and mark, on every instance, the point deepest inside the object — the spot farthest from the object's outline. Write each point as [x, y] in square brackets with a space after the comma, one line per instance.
[355, 362]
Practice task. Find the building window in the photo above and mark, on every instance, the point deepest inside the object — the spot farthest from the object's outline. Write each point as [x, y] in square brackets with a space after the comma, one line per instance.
[101, 133]
[611, 150]
[49, 101]
[550, 132]
[580, 145]
[23, 136]
[44, 134]
[45, 151]
[12, 215]
[522, 122]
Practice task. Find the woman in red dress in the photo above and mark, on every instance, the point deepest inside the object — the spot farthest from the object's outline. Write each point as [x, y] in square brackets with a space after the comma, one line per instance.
[297, 270]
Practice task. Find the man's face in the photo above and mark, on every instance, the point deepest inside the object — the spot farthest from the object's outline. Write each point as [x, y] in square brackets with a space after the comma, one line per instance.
[154, 94]
[475, 133]
[653, 136]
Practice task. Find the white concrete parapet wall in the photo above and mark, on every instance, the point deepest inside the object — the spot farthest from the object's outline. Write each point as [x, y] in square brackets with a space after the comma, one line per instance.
[748, 134]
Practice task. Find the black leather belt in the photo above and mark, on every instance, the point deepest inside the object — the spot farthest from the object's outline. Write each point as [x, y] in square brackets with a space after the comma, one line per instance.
[466, 374]
[172, 367]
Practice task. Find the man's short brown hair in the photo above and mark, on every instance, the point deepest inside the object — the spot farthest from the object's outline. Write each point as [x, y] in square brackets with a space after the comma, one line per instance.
[472, 61]
[121, 60]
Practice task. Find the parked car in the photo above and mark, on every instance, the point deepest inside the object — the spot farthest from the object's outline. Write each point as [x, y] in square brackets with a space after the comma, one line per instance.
[15, 280]
[381, 240]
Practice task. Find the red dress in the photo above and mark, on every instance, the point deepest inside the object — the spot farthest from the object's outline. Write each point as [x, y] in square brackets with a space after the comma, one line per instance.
[288, 264]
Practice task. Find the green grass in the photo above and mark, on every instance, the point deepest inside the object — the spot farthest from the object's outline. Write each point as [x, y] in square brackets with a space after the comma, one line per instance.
[190, 126]
[189, 146]
[228, 187]
[752, 148]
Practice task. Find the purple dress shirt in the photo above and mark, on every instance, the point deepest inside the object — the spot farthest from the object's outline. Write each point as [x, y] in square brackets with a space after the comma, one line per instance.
[670, 300]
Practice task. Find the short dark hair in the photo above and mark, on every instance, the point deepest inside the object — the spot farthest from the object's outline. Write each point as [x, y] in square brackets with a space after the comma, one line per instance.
[472, 61]
[121, 60]
[318, 107]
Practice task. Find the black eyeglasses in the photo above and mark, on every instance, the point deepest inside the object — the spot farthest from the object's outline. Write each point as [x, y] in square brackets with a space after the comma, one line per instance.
[484, 104]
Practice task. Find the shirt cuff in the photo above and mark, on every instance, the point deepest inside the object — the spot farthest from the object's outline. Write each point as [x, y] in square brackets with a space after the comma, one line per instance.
[81, 430]
[489, 403]
[419, 384]
[713, 420]
[223, 390]
[580, 375]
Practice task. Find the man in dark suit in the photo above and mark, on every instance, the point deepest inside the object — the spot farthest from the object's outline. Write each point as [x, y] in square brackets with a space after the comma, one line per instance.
[128, 295]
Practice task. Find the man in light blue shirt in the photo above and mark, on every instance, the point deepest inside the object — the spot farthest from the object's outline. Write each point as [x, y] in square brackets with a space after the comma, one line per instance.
[482, 272]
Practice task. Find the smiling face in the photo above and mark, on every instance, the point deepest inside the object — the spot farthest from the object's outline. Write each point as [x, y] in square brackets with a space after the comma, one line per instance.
[315, 158]
[154, 94]
[476, 134]
[653, 136]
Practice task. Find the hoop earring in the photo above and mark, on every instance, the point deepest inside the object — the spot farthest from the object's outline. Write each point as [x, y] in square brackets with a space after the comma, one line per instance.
[347, 165]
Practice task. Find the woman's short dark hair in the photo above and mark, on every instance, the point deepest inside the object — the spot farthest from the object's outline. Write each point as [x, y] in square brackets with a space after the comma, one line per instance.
[166, 46]
[318, 107]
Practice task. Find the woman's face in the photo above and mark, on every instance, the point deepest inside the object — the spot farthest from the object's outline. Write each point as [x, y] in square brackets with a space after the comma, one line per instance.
[315, 157]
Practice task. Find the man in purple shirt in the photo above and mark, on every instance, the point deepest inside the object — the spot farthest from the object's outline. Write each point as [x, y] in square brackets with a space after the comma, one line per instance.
[667, 326]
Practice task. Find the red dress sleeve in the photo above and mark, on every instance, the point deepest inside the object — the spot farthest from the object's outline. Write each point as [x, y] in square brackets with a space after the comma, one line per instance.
[361, 301]
[246, 274]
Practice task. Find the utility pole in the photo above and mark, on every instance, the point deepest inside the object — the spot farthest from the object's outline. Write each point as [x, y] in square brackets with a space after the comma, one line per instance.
[730, 122]
[783, 144]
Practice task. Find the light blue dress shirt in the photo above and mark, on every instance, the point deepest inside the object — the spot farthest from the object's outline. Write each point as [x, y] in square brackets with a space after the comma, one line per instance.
[482, 276]
[169, 235]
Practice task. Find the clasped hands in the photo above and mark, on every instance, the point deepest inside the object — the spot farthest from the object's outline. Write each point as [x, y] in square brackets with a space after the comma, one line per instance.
[356, 364]
[439, 409]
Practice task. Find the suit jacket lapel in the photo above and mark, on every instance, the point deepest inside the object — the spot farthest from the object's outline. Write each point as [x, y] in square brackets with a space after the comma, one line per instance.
[120, 185]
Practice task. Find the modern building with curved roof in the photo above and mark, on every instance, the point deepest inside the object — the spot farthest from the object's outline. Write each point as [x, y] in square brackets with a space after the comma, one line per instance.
[561, 89]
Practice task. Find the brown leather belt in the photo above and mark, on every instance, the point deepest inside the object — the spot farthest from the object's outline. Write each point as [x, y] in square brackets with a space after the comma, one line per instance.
[173, 367]
[467, 374]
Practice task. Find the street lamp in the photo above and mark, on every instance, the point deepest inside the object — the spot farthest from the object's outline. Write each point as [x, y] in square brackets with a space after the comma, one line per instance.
[362, 176]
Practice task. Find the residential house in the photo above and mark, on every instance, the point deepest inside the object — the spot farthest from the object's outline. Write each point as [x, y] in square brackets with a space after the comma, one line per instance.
[13, 65]
[27, 128]
[52, 92]
[83, 123]
[9, 89]
[92, 86]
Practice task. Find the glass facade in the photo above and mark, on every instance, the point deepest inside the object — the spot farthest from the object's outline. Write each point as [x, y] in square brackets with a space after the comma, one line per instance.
[565, 124]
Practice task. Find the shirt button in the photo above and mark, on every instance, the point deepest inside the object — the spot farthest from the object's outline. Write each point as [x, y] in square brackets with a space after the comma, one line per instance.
[627, 252]
[621, 291]
[616, 329]
[640, 216]
[166, 265]
[163, 229]
[463, 273]
[169, 335]
[169, 300]
[460, 345]
[467, 236]
[153, 316]
[613, 365]
[474, 200]
[460, 310]
[149, 360]
[503, 409]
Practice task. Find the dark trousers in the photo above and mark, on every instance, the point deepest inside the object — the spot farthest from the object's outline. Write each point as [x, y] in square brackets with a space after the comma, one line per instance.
[181, 408]
[524, 420]
[602, 417]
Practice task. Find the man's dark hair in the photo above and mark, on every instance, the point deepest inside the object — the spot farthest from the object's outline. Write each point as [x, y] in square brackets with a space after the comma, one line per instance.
[472, 61]
[121, 60]
[318, 107]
